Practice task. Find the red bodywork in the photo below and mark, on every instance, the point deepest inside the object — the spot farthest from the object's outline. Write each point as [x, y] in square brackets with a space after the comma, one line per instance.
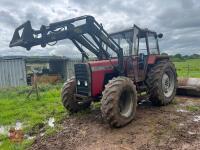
[98, 71]
[102, 67]
[152, 59]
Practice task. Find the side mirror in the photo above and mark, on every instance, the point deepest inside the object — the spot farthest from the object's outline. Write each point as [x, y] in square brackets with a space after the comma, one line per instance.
[160, 35]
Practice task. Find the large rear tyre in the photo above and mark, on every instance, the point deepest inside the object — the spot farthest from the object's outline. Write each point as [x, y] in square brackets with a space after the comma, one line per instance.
[119, 101]
[68, 99]
[162, 83]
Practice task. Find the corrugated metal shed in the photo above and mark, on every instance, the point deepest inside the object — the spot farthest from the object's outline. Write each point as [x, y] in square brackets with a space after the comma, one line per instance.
[12, 72]
[70, 67]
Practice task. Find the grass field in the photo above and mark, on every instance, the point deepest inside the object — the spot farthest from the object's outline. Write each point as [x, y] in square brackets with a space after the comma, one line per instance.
[188, 68]
[32, 113]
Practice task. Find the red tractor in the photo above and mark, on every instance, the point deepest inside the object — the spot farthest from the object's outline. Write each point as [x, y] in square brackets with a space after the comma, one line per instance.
[122, 67]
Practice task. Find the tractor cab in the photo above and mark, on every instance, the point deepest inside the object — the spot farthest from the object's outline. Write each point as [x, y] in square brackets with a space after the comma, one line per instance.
[139, 46]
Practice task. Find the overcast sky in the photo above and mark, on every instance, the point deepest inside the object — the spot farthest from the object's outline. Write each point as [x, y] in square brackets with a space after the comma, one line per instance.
[178, 20]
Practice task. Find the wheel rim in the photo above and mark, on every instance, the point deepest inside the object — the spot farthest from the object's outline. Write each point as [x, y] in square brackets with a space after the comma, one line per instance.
[168, 83]
[126, 103]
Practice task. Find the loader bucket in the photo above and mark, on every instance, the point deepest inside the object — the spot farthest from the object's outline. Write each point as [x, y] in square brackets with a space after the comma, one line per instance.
[189, 86]
[22, 35]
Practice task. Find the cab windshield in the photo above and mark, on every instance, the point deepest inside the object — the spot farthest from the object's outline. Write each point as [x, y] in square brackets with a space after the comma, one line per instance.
[125, 41]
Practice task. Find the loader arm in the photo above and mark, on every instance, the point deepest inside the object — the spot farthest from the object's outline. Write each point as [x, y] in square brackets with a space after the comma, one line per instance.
[88, 33]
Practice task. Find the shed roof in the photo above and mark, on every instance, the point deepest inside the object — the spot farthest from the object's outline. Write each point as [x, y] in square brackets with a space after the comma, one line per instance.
[34, 59]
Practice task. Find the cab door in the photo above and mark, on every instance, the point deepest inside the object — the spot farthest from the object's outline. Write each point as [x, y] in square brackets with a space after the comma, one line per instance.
[147, 46]
[141, 50]
[142, 54]
[132, 61]
[137, 56]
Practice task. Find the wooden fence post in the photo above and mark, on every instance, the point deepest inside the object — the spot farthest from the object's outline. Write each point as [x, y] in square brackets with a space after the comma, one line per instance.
[188, 70]
[34, 87]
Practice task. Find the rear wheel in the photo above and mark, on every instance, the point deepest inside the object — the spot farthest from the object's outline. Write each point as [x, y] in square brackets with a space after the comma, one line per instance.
[162, 83]
[119, 101]
[68, 99]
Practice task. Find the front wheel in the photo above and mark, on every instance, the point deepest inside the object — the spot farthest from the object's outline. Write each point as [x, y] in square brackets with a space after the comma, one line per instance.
[68, 99]
[119, 101]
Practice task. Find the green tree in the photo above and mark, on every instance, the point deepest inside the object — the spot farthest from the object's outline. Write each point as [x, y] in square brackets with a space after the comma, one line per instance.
[178, 56]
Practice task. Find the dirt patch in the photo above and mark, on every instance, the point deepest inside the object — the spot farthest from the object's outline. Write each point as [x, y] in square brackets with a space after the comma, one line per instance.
[153, 128]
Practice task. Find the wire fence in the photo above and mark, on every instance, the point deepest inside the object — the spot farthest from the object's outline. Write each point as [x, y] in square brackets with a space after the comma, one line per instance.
[188, 70]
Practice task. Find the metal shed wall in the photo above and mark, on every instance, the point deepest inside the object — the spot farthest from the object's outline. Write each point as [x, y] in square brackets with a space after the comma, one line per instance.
[70, 67]
[12, 73]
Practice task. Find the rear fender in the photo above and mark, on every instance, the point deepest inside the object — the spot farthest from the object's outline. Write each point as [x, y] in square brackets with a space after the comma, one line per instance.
[153, 59]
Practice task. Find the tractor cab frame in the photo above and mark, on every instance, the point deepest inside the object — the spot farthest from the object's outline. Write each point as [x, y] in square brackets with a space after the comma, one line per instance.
[140, 47]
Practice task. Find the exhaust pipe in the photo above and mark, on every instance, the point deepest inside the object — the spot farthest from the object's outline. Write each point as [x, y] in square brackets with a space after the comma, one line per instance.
[189, 86]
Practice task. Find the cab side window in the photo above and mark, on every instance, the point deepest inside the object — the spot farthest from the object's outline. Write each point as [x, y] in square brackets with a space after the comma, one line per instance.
[125, 44]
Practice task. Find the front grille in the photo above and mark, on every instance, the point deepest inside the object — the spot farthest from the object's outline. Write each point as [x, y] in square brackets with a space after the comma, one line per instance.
[82, 75]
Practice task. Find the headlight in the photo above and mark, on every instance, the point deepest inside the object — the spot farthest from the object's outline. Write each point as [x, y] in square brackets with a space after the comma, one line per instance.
[85, 83]
[78, 82]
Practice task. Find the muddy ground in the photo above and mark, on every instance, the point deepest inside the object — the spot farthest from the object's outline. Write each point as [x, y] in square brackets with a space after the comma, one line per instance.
[176, 126]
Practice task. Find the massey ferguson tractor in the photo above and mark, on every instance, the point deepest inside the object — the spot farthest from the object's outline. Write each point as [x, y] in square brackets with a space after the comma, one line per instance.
[116, 69]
